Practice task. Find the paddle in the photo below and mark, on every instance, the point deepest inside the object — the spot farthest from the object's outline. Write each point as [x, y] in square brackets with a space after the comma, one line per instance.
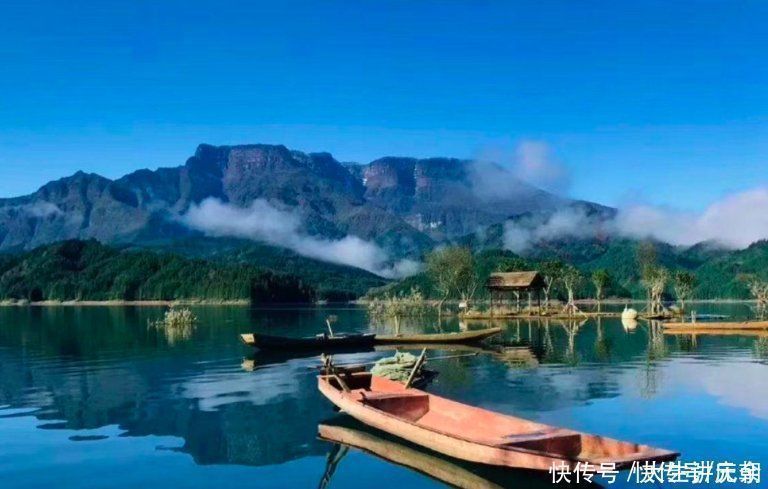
[416, 368]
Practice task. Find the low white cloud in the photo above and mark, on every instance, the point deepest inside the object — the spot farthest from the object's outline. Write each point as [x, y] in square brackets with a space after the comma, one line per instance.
[41, 209]
[497, 173]
[734, 222]
[536, 164]
[570, 222]
[263, 222]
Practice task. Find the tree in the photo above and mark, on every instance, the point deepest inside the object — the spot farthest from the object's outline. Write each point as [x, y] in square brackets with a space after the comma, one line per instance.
[655, 281]
[452, 272]
[758, 288]
[652, 276]
[646, 257]
[684, 283]
[601, 278]
[551, 270]
[515, 264]
[646, 263]
[571, 278]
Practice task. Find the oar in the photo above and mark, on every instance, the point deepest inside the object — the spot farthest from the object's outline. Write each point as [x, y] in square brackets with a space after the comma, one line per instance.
[416, 368]
[328, 321]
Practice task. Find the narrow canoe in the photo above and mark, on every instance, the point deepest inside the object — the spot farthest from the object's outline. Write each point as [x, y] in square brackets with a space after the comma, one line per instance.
[743, 325]
[473, 434]
[311, 343]
[695, 331]
[472, 336]
[455, 473]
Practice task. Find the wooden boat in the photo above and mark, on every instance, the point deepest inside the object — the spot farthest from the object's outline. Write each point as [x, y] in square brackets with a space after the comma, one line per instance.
[696, 331]
[456, 473]
[472, 336]
[743, 325]
[473, 434]
[312, 343]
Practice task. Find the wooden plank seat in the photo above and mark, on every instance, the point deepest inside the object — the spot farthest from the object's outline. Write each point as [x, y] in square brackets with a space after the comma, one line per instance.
[555, 434]
[373, 396]
[407, 405]
[563, 442]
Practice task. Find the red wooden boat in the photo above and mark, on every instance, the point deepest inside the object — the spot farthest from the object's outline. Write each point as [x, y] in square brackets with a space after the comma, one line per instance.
[473, 434]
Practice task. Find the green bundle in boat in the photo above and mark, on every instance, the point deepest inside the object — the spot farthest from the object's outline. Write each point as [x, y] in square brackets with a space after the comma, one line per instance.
[397, 367]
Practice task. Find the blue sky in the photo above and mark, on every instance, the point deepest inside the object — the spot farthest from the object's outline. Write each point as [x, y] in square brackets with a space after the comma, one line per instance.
[661, 101]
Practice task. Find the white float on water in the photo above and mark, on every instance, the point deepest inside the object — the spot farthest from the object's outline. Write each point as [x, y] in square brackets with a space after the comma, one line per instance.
[628, 313]
[629, 324]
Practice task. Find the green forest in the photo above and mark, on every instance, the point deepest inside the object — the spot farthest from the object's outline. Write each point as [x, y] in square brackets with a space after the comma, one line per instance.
[88, 270]
[624, 268]
[227, 270]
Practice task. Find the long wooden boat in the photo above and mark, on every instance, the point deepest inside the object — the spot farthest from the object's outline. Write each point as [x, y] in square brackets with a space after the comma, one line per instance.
[473, 434]
[456, 473]
[695, 331]
[742, 325]
[311, 343]
[466, 337]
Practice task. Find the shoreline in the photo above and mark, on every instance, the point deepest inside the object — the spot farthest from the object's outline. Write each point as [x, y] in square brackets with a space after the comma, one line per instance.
[246, 302]
[121, 303]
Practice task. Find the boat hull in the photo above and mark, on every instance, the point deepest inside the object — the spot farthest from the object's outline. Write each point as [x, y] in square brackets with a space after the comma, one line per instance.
[454, 472]
[345, 342]
[464, 337]
[531, 453]
[739, 326]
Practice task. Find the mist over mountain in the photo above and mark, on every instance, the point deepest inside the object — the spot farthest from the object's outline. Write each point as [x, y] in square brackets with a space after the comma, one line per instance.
[379, 216]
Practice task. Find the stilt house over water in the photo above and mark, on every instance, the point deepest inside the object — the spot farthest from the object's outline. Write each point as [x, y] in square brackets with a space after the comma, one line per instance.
[503, 286]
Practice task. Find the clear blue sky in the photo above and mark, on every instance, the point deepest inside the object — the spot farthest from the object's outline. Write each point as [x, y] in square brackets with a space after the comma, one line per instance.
[668, 99]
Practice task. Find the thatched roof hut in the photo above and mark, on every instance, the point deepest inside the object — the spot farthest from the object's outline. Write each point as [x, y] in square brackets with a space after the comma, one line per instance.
[515, 281]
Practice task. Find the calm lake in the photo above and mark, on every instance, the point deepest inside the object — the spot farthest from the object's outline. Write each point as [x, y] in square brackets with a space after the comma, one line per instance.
[92, 397]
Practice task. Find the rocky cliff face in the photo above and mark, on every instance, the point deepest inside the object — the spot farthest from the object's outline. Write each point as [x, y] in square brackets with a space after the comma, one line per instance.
[447, 198]
[404, 204]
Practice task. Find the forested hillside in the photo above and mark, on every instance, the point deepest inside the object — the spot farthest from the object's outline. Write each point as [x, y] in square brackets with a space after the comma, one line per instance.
[88, 270]
[331, 281]
[719, 274]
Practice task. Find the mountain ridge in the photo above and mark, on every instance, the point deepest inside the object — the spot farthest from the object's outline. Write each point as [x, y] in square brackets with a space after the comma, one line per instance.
[405, 205]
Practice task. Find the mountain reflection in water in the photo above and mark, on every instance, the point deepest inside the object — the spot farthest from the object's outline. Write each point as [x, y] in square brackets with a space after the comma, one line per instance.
[101, 375]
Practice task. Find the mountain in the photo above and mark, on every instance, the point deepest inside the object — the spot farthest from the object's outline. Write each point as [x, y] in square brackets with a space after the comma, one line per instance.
[724, 275]
[405, 205]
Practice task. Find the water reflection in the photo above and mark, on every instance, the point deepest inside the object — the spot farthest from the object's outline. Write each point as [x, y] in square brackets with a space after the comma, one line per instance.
[91, 368]
[602, 343]
[345, 433]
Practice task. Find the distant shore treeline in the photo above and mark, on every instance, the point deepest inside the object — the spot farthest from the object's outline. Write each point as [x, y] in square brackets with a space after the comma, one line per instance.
[721, 275]
[220, 271]
[90, 271]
